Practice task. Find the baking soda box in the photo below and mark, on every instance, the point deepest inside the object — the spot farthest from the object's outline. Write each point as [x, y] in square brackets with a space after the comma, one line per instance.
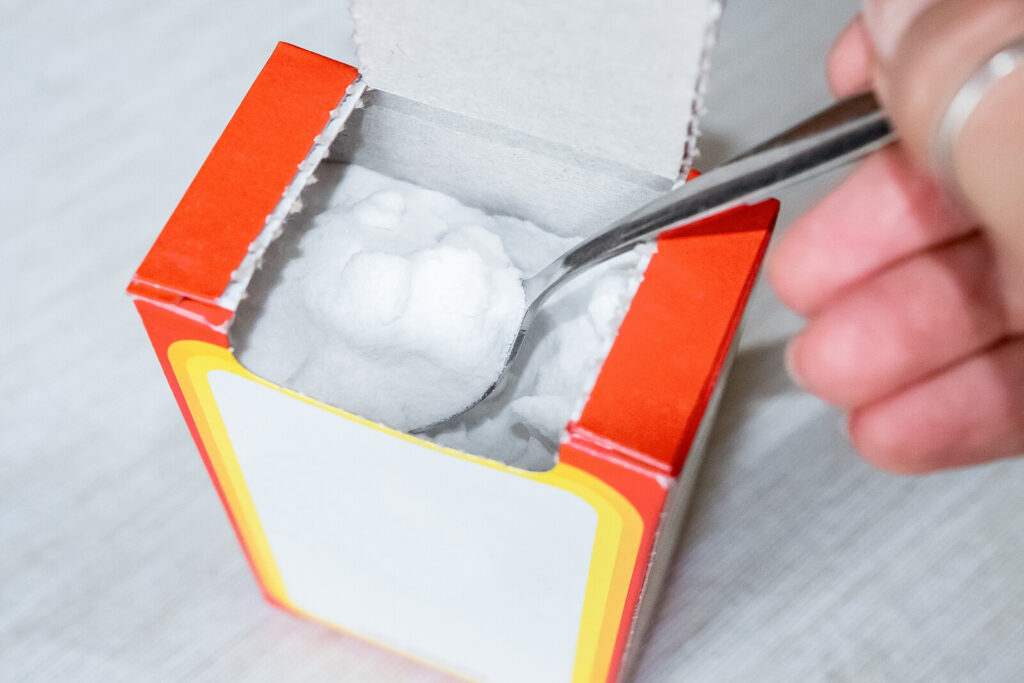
[480, 568]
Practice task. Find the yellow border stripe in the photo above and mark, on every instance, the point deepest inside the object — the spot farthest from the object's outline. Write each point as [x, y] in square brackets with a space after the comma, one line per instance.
[192, 361]
[616, 542]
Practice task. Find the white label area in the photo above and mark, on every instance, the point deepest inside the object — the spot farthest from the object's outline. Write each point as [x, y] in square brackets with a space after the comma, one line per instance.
[471, 567]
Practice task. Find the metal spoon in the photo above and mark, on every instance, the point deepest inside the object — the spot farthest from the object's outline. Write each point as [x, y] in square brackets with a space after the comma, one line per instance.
[845, 132]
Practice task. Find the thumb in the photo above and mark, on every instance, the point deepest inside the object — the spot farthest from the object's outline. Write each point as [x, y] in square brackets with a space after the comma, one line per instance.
[925, 51]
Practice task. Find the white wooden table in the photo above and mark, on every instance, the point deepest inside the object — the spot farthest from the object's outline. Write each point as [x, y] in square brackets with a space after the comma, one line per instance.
[800, 562]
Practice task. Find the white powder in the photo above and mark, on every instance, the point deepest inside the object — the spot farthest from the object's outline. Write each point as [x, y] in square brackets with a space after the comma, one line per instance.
[398, 303]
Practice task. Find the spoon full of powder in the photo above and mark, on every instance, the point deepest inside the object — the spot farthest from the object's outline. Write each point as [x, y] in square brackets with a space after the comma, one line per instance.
[417, 298]
[840, 134]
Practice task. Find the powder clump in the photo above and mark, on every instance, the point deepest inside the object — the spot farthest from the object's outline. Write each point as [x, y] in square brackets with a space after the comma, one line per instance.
[399, 303]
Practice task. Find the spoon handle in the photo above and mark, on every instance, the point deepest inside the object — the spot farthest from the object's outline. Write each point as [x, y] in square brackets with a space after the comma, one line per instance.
[838, 135]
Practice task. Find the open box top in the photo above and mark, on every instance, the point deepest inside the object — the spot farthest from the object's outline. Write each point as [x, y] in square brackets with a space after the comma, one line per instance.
[653, 388]
[567, 114]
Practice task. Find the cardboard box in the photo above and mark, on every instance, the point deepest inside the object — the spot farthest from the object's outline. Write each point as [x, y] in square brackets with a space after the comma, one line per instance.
[488, 571]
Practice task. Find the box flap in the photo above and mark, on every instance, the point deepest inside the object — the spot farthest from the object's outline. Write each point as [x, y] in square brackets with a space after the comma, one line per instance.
[657, 381]
[243, 179]
[617, 80]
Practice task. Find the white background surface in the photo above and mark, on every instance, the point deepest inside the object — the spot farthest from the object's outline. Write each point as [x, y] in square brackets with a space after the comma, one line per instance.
[800, 563]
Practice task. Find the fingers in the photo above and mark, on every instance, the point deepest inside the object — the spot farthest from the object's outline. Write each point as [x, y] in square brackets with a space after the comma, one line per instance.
[886, 210]
[888, 21]
[916, 313]
[849, 61]
[990, 164]
[972, 413]
[923, 63]
[905, 324]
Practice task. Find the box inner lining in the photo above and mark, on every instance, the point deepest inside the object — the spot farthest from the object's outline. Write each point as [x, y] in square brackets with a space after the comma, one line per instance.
[496, 169]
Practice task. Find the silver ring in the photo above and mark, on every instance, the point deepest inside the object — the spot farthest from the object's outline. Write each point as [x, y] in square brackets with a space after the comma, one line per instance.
[1001, 64]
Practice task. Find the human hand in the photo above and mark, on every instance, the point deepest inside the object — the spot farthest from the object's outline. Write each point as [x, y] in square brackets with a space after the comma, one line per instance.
[914, 297]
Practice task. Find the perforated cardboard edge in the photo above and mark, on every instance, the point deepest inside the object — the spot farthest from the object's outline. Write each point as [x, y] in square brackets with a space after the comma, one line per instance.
[240, 279]
[614, 80]
[691, 149]
[242, 179]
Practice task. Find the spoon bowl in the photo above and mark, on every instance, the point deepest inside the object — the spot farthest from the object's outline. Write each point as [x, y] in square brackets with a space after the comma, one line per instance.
[844, 132]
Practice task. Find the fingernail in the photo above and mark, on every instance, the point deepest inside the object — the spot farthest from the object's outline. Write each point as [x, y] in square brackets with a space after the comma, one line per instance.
[844, 427]
[789, 358]
[887, 21]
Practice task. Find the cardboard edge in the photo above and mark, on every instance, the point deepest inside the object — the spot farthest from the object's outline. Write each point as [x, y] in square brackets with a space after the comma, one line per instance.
[645, 372]
[690, 146]
[670, 530]
[242, 181]
[240, 278]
